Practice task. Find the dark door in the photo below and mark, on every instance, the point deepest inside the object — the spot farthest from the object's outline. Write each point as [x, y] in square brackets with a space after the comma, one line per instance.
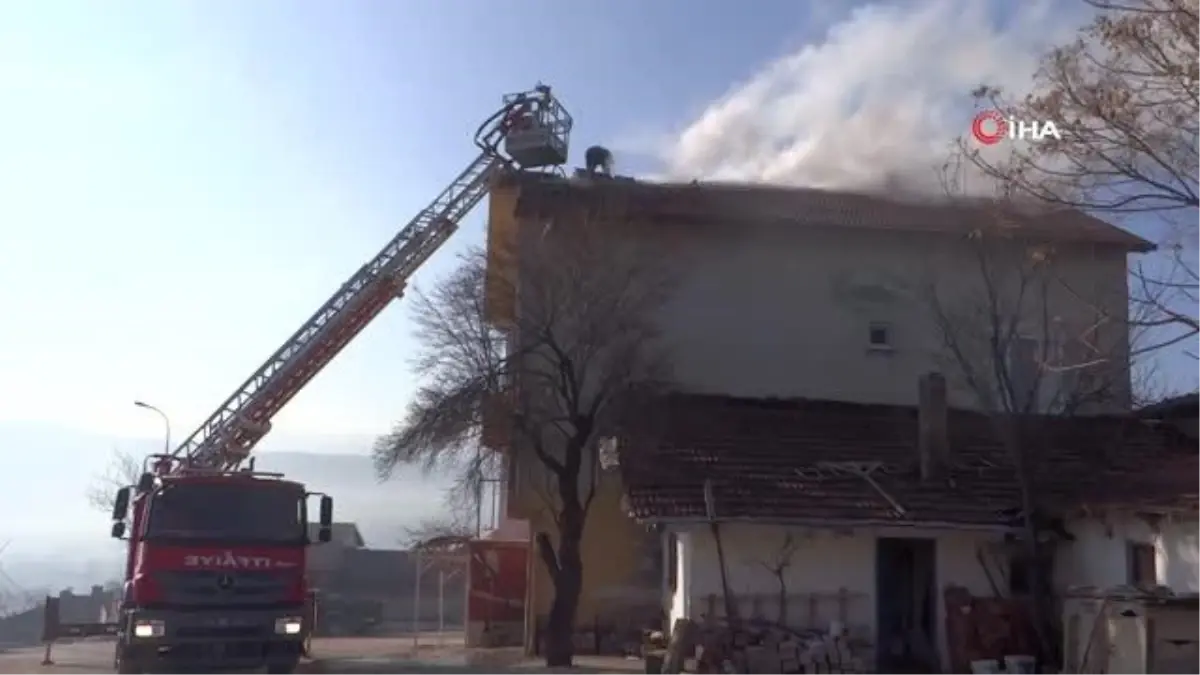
[905, 602]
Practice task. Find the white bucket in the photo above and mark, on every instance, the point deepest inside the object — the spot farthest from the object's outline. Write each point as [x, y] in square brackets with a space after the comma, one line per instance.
[985, 667]
[1020, 663]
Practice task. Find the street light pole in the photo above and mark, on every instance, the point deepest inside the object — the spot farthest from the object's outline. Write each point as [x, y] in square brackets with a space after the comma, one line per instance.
[166, 424]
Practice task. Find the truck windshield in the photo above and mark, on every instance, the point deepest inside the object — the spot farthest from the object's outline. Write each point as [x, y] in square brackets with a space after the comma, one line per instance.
[226, 512]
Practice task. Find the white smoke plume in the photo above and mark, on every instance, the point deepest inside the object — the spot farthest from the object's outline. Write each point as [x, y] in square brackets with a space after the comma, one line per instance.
[876, 102]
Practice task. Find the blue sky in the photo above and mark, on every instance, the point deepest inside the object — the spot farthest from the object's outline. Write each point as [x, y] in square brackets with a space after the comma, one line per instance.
[183, 183]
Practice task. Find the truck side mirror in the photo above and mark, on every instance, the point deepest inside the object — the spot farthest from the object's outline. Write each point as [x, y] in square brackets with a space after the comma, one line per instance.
[326, 517]
[118, 529]
[146, 482]
[325, 520]
[121, 504]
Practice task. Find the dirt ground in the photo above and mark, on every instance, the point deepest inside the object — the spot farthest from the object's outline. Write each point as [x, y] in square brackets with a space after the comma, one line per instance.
[433, 654]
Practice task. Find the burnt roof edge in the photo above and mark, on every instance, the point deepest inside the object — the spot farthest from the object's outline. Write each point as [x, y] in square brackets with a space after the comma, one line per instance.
[528, 181]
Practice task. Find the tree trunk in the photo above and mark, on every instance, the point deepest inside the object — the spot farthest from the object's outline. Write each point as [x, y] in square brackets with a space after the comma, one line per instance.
[1041, 590]
[783, 600]
[568, 582]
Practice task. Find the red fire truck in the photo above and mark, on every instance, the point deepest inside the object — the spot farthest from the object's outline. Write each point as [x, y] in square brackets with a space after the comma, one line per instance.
[215, 575]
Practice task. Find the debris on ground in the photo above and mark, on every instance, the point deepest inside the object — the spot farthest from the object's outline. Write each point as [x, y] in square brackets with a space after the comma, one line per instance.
[755, 646]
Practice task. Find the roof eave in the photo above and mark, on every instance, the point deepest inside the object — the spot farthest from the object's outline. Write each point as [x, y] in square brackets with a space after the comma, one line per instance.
[539, 187]
[668, 521]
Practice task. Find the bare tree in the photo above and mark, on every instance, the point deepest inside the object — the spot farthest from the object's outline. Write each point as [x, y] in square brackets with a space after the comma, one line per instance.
[1125, 95]
[1020, 290]
[778, 565]
[581, 339]
[123, 469]
[981, 340]
[1014, 334]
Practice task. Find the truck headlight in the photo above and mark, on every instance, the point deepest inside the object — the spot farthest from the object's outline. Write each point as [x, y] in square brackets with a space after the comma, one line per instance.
[149, 628]
[289, 625]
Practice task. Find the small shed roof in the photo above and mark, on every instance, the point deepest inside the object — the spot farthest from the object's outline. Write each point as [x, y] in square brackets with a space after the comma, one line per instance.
[808, 459]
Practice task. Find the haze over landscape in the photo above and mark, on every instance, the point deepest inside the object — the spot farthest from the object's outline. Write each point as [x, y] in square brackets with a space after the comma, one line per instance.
[58, 539]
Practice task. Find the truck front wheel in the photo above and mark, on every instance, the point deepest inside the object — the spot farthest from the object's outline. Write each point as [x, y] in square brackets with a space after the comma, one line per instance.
[126, 668]
[125, 665]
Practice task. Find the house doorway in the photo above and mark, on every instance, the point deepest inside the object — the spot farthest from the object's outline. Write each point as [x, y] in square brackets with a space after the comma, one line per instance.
[905, 604]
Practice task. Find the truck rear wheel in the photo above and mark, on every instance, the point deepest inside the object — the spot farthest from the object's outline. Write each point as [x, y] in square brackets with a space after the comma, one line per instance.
[282, 667]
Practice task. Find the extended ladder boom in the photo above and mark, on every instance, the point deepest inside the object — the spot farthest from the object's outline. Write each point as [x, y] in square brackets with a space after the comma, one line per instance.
[534, 130]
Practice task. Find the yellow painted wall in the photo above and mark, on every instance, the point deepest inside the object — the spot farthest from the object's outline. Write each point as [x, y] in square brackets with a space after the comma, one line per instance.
[499, 291]
[500, 295]
[613, 558]
[613, 549]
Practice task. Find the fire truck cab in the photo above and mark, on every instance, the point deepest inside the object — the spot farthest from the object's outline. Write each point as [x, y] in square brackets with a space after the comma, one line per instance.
[215, 574]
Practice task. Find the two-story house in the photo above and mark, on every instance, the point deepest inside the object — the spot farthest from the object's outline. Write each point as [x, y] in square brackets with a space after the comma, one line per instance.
[787, 293]
[838, 287]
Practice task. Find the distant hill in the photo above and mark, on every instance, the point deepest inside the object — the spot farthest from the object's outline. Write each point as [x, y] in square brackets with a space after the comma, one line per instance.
[59, 540]
[382, 510]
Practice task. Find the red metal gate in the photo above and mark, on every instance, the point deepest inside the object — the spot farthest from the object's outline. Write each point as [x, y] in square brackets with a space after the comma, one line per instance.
[497, 582]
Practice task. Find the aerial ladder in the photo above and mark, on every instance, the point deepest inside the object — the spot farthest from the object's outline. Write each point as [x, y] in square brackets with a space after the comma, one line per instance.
[531, 131]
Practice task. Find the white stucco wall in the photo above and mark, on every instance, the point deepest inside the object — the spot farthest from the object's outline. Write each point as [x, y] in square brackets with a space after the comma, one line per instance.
[678, 602]
[1097, 557]
[824, 562]
[785, 310]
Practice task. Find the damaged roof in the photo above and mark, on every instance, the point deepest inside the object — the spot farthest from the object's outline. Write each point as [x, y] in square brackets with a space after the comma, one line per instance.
[542, 194]
[824, 460]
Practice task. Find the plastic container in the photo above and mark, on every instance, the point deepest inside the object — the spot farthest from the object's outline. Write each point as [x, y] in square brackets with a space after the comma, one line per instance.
[985, 667]
[1020, 663]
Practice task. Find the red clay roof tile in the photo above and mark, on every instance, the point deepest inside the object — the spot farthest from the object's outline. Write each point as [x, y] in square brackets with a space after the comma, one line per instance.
[769, 459]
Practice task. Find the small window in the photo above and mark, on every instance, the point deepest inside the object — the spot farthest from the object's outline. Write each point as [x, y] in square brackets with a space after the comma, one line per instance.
[1143, 570]
[879, 335]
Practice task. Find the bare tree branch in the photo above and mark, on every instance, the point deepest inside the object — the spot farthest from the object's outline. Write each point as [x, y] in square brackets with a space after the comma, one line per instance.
[1126, 97]
[463, 504]
[123, 469]
[554, 374]
[1031, 329]
[778, 564]
[432, 529]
